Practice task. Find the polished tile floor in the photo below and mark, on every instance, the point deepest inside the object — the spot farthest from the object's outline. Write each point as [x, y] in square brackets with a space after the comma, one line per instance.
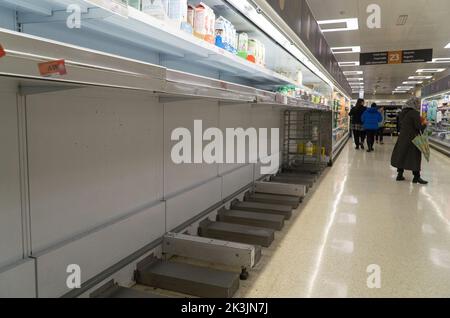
[359, 216]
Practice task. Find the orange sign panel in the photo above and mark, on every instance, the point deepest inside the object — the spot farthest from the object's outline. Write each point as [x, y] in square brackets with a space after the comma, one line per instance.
[53, 68]
[395, 57]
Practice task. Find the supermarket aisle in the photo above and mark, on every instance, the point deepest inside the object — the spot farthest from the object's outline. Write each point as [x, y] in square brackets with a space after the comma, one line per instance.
[359, 216]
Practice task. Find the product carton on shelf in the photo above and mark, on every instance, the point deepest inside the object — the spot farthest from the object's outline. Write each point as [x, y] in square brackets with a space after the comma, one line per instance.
[204, 21]
[221, 29]
[177, 12]
[156, 8]
[190, 15]
[209, 36]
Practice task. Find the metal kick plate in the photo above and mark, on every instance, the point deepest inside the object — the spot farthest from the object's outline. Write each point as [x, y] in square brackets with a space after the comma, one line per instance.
[264, 220]
[210, 250]
[284, 210]
[280, 188]
[189, 279]
[306, 182]
[237, 233]
[273, 199]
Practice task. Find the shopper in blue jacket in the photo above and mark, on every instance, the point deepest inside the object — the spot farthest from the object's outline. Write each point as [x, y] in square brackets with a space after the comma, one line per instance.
[371, 120]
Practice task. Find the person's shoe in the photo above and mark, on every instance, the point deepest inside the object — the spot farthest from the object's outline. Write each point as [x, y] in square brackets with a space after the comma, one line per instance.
[419, 180]
[381, 143]
[369, 150]
[357, 148]
[362, 147]
[400, 178]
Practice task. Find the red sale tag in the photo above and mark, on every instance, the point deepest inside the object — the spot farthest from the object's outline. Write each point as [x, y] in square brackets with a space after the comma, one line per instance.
[2, 51]
[53, 68]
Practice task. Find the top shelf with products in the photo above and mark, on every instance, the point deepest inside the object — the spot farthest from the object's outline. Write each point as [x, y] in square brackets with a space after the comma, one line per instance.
[139, 35]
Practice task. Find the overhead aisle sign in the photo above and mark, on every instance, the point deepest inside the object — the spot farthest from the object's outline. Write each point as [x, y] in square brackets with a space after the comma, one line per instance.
[396, 57]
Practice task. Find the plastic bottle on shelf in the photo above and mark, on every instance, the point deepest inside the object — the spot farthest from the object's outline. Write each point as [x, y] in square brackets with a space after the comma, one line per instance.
[301, 148]
[299, 78]
[315, 133]
[252, 48]
[243, 45]
[233, 43]
[309, 149]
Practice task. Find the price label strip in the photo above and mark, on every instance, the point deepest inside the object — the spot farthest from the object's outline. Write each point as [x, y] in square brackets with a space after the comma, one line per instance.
[2, 51]
[53, 68]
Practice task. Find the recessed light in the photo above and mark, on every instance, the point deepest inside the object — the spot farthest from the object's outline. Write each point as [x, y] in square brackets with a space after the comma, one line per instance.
[420, 77]
[401, 20]
[440, 60]
[346, 49]
[353, 73]
[346, 64]
[412, 82]
[353, 79]
[338, 25]
[430, 70]
[447, 46]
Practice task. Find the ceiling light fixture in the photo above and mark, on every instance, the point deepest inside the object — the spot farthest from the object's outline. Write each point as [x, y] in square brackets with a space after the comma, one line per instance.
[440, 60]
[447, 46]
[402, 19]
[413, 82]
[346, 49]
[347, 64]
[353, 73]
[419, 77]
[350, 25]
[353, 79]
[430, 70]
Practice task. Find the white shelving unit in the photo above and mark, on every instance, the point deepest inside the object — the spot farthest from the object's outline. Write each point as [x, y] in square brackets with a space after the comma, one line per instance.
[106, 146]
[89, 67]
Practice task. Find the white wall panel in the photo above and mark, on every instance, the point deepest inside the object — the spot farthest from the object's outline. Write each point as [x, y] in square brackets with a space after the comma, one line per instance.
[179, 177]
[11, 248]
[98, 250]
[267, 117]
[94, 155]
[19, 280]
[234, 116]
[185, 206]
[236, 180]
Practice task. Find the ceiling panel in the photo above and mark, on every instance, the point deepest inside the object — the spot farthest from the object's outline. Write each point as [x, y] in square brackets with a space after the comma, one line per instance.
[427, 26]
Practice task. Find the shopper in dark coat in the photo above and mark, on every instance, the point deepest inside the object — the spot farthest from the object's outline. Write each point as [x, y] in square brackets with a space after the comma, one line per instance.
[358, 130]
[371, 120]
[406, 156]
